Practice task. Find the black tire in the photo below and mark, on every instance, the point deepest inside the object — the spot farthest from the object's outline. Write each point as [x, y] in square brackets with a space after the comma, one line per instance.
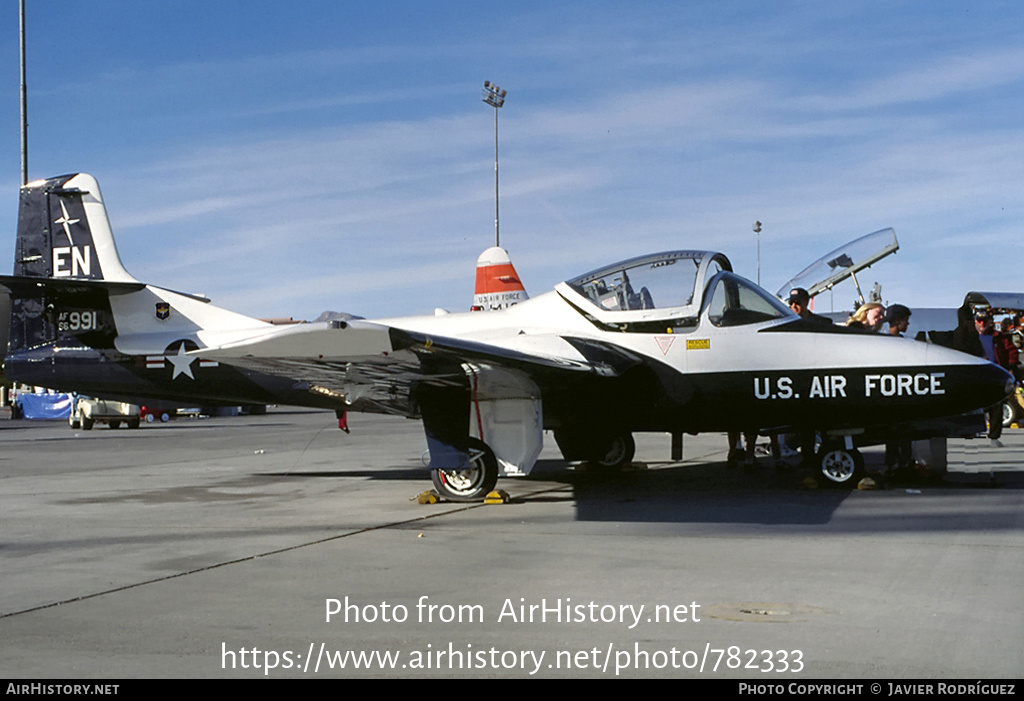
[839, 466]
[115, 424]
[618, 453]
[87, 423]
[1009, 412]
[473, 483]
[133, 423]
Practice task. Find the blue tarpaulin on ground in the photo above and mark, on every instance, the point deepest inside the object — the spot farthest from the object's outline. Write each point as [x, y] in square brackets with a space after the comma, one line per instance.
[45, 406]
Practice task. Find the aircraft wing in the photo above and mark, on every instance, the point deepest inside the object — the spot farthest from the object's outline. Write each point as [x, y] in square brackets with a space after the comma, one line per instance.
[374, 366]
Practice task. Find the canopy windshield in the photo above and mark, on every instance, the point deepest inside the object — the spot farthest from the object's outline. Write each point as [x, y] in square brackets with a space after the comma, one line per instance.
[665, 280]
[735, 301]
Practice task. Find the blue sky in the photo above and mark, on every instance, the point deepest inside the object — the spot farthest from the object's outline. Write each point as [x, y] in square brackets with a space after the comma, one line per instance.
[287, 158]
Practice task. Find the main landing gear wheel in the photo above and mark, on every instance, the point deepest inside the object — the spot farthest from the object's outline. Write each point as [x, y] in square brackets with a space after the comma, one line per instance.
[619, 452]
[472, 483]
[840, 466]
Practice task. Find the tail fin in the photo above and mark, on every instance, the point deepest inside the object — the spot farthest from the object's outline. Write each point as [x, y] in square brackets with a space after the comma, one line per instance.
[497, 284]
[70, 290]
[63, 232]
[65, 264]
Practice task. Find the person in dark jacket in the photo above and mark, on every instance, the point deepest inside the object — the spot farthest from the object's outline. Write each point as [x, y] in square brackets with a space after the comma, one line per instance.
[965, 335]
[991, 351]
[800, 302]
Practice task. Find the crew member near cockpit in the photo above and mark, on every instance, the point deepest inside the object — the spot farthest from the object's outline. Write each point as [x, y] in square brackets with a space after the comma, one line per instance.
[868, 317]
[898, 318]
[800, 302]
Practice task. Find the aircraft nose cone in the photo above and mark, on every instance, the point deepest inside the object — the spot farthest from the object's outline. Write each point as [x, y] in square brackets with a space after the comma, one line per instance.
[976, 386]
[974, 382]
[1011, 386]
[998, 384]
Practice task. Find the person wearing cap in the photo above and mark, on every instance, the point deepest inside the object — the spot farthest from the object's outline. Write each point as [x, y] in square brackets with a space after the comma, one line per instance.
[995, 354]
[898, 318]
[998, 345]
[799, 301]
[986, 331]
[965, 335]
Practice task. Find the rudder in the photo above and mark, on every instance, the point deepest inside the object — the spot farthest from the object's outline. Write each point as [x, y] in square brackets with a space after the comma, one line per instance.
[64, 237]
[64, 232]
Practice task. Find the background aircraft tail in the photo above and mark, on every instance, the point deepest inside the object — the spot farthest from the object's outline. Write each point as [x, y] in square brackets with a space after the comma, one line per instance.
[497, 284]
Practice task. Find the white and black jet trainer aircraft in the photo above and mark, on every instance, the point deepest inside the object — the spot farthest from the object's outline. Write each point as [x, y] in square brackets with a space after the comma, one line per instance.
[670, 342]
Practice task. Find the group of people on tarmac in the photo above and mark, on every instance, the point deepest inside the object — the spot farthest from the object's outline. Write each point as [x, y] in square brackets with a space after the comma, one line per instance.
[870, 317]
[976, 334]
[1001, 346]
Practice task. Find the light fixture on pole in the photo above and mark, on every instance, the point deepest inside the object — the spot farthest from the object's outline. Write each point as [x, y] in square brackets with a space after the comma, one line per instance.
[495, 97]
[757, 230]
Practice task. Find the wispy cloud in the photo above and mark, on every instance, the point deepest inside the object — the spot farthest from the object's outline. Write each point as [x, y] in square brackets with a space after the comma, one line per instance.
[280, 176]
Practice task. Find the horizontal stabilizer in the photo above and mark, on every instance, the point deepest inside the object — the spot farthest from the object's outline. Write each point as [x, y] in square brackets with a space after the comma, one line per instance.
[21, 287]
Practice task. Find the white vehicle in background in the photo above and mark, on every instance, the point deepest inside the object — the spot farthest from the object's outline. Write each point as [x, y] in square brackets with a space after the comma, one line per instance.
[86, 412]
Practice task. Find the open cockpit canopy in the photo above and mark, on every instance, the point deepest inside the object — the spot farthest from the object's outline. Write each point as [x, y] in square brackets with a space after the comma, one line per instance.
[843, 262]
[649, 292]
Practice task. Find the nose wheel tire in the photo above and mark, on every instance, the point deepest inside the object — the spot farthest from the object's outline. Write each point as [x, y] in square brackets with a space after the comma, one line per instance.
[619, 452]
[841, 467]
[472, 483]
[1009, 413]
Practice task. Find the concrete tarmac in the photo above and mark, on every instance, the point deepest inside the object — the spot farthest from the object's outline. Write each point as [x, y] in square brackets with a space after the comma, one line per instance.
[277, 546]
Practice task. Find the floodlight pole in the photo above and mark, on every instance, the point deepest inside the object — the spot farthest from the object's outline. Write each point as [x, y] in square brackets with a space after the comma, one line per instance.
[24, 96]
[495, 97]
